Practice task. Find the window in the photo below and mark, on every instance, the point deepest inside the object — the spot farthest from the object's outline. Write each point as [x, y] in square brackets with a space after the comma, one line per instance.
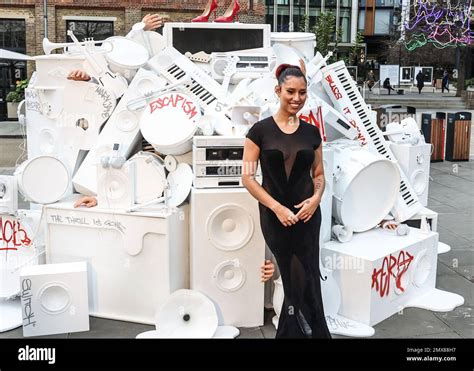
[13, 35]
[98, 30]
[362, 20]
[383, 19]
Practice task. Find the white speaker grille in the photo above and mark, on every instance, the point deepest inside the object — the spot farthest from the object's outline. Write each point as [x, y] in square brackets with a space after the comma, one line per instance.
[229, 227]
[229, 275]
[422, 269]
[54, 298]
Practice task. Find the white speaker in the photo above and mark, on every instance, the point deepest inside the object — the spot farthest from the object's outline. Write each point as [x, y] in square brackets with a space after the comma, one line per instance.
[122, 127]
[54, 299]
[227, 251]
[116, 187]
[135, 260]
[45, 133]
[380, 273]
[414, 160]
[8, 194]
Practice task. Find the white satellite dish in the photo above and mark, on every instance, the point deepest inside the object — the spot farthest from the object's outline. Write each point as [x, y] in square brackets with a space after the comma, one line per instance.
[180, 182]
[11, 317]
[226, 332]
[187, 314]
[222, 332]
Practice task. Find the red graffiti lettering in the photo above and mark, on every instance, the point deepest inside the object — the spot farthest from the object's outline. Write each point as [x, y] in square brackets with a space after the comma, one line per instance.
[316, 120]
[391, 268]
[175, 100]
[13, 235]
[334, 88]
[360, 137]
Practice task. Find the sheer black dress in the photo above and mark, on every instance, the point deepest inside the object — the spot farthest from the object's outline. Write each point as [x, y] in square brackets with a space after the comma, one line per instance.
[286, 161]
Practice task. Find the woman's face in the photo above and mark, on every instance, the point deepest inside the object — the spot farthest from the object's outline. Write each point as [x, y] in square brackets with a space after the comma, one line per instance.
[292, 93]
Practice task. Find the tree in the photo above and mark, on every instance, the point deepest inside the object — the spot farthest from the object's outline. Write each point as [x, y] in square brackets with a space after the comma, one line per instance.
[356, 49]
[324, 31]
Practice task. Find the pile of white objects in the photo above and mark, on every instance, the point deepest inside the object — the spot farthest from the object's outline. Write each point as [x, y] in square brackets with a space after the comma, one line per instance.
[157, 137]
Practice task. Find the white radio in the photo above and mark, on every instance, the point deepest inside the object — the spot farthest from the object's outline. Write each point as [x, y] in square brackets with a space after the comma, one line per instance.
[249, 65]
[217, 161]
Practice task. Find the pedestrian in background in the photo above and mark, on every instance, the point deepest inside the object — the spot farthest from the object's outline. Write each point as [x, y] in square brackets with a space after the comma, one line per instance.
[445, 82]
[420, 81]
[387, 85]
[370, 80]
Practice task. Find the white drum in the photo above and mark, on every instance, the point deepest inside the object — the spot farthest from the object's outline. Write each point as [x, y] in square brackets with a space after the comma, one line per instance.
[126, 56]
[366, 187]
[305, 42]
[169, 123]
[150, 176]
[43, 179]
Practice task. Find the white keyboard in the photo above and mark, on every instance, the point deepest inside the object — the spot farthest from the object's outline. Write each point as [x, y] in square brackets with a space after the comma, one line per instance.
[173, 66]
[345, 96]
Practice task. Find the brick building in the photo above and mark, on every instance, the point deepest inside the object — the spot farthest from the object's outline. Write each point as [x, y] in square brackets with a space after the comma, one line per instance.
[22, 24]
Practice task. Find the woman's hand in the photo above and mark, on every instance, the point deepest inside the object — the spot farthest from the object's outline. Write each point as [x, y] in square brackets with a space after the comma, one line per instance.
[267, 270]
[78, 75]
[285, 215]
[307, 208]
[302, 66]
[389, 224]
[86, 201]
[152, 22]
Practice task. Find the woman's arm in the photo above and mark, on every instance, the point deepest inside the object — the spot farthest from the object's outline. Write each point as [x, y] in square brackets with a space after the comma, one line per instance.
[249, 169]
[318, 173]
[308, 207]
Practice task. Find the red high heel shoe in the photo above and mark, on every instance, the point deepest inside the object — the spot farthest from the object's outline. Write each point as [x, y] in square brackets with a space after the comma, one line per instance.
[231, 12]
[210, 8]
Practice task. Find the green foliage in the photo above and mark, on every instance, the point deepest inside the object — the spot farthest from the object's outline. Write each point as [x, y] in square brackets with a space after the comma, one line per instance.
[469, 82]
[304, 23]
[13, 97]
[324, 31]
[356, 49]
[18, 94]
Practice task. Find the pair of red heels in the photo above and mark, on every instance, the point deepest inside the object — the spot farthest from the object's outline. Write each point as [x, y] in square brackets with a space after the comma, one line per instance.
[211, 7]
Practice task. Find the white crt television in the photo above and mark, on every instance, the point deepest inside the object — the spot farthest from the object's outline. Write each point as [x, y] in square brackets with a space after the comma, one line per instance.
[216, 37]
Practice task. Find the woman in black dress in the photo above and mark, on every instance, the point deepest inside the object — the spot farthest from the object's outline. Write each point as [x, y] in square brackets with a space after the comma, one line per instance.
[290, 154]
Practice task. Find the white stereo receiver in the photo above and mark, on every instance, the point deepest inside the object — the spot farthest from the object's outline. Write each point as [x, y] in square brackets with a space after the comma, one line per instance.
[217, 161]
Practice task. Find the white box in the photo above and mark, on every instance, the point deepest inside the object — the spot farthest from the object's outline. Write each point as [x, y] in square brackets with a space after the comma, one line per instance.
[379, 273]
[54, 299]
[135, 259]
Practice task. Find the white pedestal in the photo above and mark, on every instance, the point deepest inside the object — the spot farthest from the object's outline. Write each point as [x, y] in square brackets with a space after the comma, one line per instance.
[135, 260]
[380, 273]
